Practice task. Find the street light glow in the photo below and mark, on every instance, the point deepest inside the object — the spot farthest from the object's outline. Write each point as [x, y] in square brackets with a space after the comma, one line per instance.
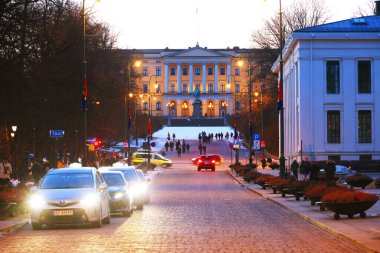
[14, 128]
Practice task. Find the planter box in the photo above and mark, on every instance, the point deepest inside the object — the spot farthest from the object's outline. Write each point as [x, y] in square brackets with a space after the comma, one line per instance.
[349, 208]
[359, 183]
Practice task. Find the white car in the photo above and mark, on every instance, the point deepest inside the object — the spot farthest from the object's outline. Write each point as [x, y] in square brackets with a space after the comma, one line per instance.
[70, 196]
[342, 171]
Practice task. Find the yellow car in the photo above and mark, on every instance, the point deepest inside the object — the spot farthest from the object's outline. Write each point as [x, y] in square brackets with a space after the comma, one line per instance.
[156, 159]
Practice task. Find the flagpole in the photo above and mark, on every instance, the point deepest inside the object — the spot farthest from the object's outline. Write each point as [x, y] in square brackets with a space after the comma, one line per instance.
[85, 89]
[281, 107]
[149, 114]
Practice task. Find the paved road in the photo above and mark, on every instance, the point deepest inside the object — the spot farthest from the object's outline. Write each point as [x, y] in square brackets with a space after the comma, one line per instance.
[190, 211]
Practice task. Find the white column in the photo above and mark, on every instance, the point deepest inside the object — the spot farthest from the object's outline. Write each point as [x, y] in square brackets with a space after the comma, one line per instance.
[179, 78]
[230, 78]
[204, 77]
[216, 77]
[166, 78]
[191, 77]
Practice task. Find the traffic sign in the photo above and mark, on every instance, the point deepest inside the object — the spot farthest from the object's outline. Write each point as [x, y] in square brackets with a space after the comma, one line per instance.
[256, 145]
[56, 133]
[256, 137]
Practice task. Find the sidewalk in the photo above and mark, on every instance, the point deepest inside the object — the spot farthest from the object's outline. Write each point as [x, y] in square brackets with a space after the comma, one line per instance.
[13, 223]
[364, 233]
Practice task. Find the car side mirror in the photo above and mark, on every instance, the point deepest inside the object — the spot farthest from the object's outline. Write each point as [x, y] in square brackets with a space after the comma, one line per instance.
[102, 187]
[33, 189]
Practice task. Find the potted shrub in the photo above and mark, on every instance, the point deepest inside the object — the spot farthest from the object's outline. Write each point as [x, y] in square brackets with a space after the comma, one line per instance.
[317, 191]
[251, 176]
[263, 162]
[349, 202]
[359, 180]
[262, 180]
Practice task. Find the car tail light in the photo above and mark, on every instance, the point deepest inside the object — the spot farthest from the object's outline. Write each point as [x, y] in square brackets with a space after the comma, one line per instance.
[213, 161]
[200, 161]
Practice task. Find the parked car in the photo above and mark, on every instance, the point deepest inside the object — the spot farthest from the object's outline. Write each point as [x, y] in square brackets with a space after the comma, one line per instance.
[120, 194]
[341, 171]
[70, 196]
[130, 175]
[206, 162]
[218, 159]
[144, 186]
[155, 158]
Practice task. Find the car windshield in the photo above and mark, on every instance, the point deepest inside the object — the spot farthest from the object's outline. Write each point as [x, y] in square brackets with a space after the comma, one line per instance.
[340, 169]
[159, 157]
[130, 175]
[113, 179]
[67, 181]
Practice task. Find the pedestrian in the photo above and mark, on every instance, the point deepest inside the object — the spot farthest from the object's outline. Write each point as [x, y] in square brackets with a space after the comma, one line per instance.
[314, 171]
[168, 136]
[171, 144]
[166, 146]
[179, 151]
[36, 171]
[187, 147]
[5, 172]
[305, 169]
[200, 148]
[330, 170]
[183, 147]
[177, 145]
[204, 149]
[199, 137]
[294, 168]
[173, 136]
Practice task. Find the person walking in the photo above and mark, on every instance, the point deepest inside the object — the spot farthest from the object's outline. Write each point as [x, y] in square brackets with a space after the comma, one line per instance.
[166, 146]
[179, 151]
[204, 149]
[200, 148]
[173, 136]
[187, 147]
[171, 146]
[314, 171]
[294, 168]
[305, 169]
[183, 147]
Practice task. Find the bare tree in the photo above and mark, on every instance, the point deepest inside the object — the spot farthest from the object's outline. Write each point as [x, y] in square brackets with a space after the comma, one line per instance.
[300, 15]
[368, 10]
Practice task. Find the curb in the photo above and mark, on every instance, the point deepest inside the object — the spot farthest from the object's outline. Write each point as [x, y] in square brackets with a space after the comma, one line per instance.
[14, 226]
[308, 219]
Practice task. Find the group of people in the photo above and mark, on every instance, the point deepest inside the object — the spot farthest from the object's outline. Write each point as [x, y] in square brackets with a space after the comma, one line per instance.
[5, 172]
[309, 171]
[179, 147]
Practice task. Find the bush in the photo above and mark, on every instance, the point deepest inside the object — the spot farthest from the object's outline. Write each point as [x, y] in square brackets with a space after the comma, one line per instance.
[274, 166]
[269, 160]
[349, 196]
[251, 176]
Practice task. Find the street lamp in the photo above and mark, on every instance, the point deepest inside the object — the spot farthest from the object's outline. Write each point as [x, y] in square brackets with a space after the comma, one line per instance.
[127, 114]
[13, 135]
[280, 107]
[149, 115]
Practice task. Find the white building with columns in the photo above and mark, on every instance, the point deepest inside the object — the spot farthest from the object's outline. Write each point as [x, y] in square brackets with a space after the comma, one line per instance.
[170, 76]
[332, 91]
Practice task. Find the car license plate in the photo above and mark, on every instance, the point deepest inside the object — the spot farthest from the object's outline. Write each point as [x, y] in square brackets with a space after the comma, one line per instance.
[207, 162]
[63, 212]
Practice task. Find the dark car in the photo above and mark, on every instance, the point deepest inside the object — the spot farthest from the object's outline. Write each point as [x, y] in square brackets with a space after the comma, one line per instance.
[120, 195]
[206, 162]
[218, 159]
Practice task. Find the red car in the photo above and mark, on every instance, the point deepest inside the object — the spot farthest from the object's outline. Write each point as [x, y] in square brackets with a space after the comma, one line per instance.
[206, 162]
[218, 159]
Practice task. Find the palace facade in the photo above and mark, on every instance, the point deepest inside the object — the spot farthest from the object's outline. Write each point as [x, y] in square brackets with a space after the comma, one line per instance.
[170, 76]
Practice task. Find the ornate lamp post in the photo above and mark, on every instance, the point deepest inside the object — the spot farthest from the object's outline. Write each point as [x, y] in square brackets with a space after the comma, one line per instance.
[13, 135]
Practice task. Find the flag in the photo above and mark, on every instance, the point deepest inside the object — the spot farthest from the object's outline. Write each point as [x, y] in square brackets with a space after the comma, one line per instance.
[85, 92]
[235, 130]
[280, 98]
[129, 120]
[149, 128]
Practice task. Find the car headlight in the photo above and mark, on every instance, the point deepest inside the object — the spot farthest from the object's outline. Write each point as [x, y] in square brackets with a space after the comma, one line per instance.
[90, 200]
[139, 189]
[36, 202]
[119, 195]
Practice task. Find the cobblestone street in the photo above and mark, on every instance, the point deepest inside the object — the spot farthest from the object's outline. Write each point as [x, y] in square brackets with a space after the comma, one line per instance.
[190, 211]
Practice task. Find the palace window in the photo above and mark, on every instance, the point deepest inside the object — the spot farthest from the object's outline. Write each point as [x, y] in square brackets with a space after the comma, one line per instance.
[172, 88]
[197, 71]
[209, 71]
[237, 71]
[158, 106]
[210, 88]
[222, 71]
[237, 87]
[333, 126]
[184, 71]
[145, 106]
[172, 71]
[222, 87]
[364, 126]
[158, 89]
[158, 71]
[364, 76]
[332, 77]
[145, 88]
[185, 90]
[145, 72]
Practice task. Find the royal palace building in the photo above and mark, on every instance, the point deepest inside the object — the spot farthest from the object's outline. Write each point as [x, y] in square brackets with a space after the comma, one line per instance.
[169, 78]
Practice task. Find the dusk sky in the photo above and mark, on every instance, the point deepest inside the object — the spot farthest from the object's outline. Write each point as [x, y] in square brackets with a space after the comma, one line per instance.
[175, 23]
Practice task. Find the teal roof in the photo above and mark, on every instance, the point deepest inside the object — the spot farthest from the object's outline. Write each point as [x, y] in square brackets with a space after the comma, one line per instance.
[361, 24]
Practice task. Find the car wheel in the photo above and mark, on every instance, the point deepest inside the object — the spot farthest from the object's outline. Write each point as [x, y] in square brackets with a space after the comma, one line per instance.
[98, 223]
[36, 226]
[140, 206]
[199, 169]
[213, 169]
[107, 220]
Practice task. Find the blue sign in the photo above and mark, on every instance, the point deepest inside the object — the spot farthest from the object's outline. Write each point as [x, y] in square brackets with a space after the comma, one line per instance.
[56, 133]
[256, 137]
